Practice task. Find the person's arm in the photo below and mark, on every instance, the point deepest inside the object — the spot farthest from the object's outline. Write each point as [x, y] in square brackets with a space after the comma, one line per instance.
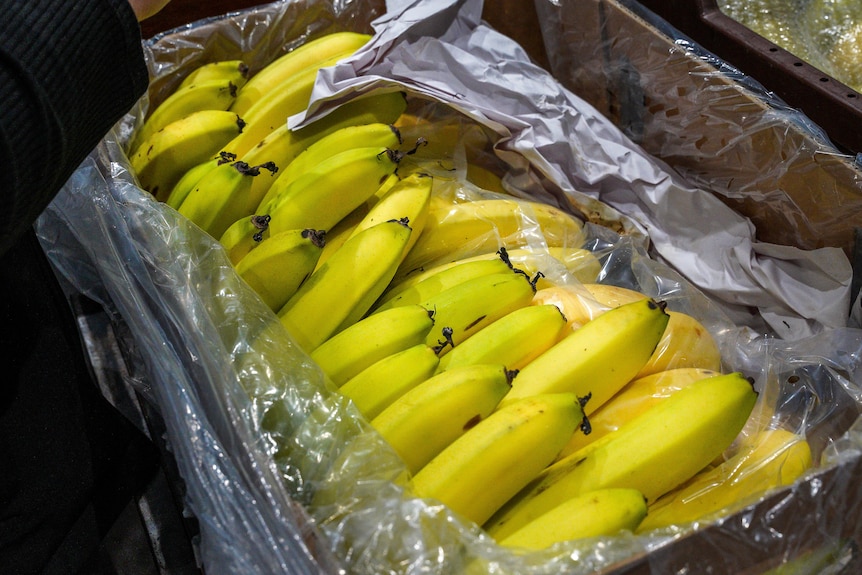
[68, 71]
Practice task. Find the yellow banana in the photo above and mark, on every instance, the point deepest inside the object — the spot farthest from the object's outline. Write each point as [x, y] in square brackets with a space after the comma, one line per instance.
[246, 234]
[374, 388]
[324, 195]
[466, 308]
[235, 71]
[769, 459]
[514, 340]
[485, 467]
[598, 359]
[221, 194]
[375, 134]
[429, 417]
[369, 340]
[187, 182]
[285, 67]
[277, 268]
[162, 159]
[603, 512]
[340, 292]
[653, 453]
[213, 95]
[483, 226]
[432, 284]
[635, 398]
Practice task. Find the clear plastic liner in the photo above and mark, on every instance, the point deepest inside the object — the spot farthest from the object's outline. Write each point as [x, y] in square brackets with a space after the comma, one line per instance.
[283, 474]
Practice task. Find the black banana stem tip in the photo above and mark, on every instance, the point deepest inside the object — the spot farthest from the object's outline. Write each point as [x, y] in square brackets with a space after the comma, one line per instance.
[246, 170]
[511, 374]
[232, 88]
[261, 223]
[225, 158]
[397, 133]
[405, 221]
[394, 155]
[586, 428]
[317, 237]
[420, 142]
[661, 304]
[447, 340]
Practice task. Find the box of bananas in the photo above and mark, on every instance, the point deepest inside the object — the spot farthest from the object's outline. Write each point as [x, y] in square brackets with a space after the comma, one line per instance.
[406, 305]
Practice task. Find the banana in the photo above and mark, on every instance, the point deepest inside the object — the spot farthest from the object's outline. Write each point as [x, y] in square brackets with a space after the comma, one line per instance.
[635, 398]
[769, 459]
[598, 359]
[408, 292]
[187, 182]
[162, 159]
[377, 386]
[245, 234]
[483, 226]
[603, 512]
[514, 340]
[235, 71]
[371, 339]
[493, 460]
[277, 268]
[340, 292]
[653, 453]
[324, 195]
[426, 419]
[284, 68]
[212, 95]
[466, 308]
[375, 134]
[221, 194]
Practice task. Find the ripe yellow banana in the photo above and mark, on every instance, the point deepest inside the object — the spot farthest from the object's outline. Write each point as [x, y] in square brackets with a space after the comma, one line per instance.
[407, 292]
[654, 453]
[235, 71]
[375, 134]
[514, 340]
[285, 67]
[481, 470]
[429, 417]
[167, 155]
[277, 268]
[463, 310]
[769, 459]
[324, 195]
[213, 95]
[371, 339]
[340, 292]
[187, 182]
[635, 398]
[598, 359]
[246, 234]
[603, 512]
[374, 388]
[483, 226]
[221, 197]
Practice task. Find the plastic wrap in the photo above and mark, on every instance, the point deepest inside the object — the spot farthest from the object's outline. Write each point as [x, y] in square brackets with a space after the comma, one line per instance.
[281, 472]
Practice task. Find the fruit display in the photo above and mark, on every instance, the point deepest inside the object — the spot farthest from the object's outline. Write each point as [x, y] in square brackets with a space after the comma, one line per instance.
[472, 331]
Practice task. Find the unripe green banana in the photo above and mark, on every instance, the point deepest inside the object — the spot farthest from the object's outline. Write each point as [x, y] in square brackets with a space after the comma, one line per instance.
[514, 340]
[603, 512]
[277, 268]
[374, 388]
[430, 416]
[481, 470]
[371, 339]
[340, 292]
[598, 359]
[167, 155]
[653, 453]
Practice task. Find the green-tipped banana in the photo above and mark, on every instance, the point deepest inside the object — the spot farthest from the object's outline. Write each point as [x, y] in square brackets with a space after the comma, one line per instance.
[341, 291]
[603, 512]
[653, 453]
[285, 67]
[514, 340]
[599, 358]
[426, 419]
[374, 388]
[277, 268]
[162, 160]
[371, 339]
[481, 470]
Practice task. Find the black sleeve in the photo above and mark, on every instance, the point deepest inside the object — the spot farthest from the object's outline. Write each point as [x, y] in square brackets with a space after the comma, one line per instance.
[69, 70]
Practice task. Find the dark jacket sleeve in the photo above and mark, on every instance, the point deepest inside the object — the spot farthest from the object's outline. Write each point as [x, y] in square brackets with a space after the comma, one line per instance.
[69, 69]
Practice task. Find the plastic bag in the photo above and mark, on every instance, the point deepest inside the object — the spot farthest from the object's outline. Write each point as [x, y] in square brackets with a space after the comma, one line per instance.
[282, 473]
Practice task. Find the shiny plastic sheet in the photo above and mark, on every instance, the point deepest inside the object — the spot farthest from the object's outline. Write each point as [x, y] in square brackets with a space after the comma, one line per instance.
[283, 474]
